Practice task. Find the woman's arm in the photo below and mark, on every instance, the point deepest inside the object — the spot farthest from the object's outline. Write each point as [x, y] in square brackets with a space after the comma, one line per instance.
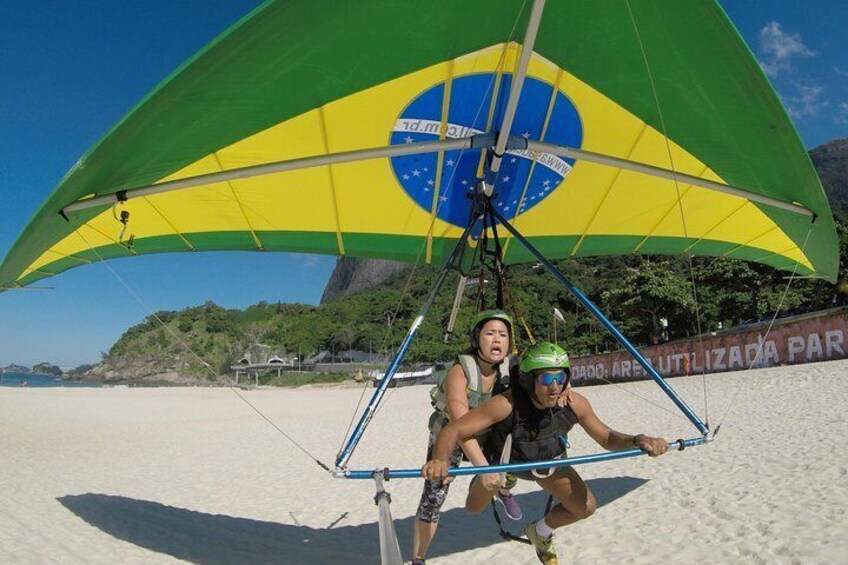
[456, 398]
[484, 416]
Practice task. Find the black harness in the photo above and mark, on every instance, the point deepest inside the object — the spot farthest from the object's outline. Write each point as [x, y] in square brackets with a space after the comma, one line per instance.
[537, 435]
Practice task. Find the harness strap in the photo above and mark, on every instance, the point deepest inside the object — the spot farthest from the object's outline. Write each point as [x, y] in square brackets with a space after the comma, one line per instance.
[510, 536]
[499, 266]
[472, 372]
[505, 534]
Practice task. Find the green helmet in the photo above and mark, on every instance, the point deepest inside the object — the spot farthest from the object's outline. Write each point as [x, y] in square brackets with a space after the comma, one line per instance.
[544, 355]
[493, 314]
[485, 316]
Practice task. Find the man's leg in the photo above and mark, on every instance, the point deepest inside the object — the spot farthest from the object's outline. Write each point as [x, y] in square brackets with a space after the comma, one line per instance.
[576, 501]
[478, 497]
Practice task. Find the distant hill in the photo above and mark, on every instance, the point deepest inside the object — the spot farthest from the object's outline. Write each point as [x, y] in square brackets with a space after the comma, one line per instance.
[46, 369]
[831, 162]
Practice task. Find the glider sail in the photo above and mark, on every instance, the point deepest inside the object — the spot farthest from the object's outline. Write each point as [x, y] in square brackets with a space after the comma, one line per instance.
[359, 130]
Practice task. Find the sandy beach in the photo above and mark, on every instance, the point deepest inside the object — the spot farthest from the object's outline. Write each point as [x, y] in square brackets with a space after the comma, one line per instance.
[162, 475]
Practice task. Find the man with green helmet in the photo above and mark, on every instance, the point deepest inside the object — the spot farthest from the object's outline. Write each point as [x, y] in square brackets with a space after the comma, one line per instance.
[538, 423]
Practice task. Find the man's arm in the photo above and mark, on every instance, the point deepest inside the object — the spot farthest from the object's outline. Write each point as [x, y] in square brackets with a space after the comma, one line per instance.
[484, 416]
[608, 438]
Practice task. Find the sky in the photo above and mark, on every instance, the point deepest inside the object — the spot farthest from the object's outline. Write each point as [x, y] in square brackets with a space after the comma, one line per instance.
[71, 70]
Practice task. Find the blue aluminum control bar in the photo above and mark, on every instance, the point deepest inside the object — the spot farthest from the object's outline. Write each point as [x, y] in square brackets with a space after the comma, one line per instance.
[517, 467]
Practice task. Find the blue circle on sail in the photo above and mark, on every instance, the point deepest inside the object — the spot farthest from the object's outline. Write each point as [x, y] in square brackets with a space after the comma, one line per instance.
[468, 114]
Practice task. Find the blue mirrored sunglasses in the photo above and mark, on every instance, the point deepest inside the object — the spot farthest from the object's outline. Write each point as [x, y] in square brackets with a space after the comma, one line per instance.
[550, 377]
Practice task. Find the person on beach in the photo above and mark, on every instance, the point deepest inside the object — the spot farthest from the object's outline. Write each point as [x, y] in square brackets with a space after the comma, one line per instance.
[538, 424]
[476, 377]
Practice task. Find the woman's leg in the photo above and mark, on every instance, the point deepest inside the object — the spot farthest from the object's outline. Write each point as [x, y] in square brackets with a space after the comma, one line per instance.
[430, 506]
[422, 536]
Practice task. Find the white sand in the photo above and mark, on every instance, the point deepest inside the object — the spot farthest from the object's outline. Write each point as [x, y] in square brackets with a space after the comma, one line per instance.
[162, 475]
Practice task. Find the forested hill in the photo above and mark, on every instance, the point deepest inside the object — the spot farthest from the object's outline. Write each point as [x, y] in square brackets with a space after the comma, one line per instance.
[639, 293]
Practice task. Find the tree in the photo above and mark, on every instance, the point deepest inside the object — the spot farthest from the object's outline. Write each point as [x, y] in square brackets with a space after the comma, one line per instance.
[650, 294]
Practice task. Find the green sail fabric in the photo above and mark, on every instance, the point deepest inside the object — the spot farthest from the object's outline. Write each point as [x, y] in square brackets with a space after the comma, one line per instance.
[665, 83]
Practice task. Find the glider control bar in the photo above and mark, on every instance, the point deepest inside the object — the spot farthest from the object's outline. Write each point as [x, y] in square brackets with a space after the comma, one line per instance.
[284, 166]
[387, 474]
[659, 172]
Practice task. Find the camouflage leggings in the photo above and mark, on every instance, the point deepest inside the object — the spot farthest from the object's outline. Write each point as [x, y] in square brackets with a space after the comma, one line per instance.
[434, 493]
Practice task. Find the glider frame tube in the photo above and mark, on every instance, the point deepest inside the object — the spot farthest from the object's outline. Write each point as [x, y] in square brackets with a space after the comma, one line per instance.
[389, 546]
[515, 90]
[650, 170]
[368, 414]
[282, 167]
[678, 445]
[619, 337]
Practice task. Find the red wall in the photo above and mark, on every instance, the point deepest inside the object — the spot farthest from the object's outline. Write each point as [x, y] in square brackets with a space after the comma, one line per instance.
[819, 336]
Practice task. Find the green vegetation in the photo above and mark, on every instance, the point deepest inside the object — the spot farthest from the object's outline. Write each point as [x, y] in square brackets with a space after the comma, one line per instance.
[650, 298]
[293, 379]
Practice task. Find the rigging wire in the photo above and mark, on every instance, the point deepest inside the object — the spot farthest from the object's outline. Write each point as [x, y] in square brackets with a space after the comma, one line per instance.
[761, 342]
[679, 205]
[188, 348]
[643, 398]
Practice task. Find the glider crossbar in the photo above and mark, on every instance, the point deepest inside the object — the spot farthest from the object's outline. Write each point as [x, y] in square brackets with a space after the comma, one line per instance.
[619, 337]
[281, 167]
[659, 172]
[678, 445]
[368, 414]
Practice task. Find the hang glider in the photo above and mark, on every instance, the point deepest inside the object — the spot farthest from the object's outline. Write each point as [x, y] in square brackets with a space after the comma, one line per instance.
[399, 130]
[643, 127]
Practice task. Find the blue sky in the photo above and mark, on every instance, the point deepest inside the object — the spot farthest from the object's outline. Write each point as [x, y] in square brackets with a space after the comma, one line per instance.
[72, 69]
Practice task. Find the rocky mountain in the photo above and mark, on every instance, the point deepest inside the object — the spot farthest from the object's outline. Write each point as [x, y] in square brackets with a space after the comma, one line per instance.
[144, 370]
[831, 162]
[15, 369]
[355, 275]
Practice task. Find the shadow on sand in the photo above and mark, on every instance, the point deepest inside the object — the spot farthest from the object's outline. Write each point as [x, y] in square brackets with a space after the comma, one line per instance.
[214, 538]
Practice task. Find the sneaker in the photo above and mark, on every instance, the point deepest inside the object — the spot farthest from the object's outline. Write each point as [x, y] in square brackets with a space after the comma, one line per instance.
[510, 505]
[418, 561]
[544, 546]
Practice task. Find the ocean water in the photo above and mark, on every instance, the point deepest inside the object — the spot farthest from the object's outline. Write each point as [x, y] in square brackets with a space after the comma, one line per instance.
[19, 379]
